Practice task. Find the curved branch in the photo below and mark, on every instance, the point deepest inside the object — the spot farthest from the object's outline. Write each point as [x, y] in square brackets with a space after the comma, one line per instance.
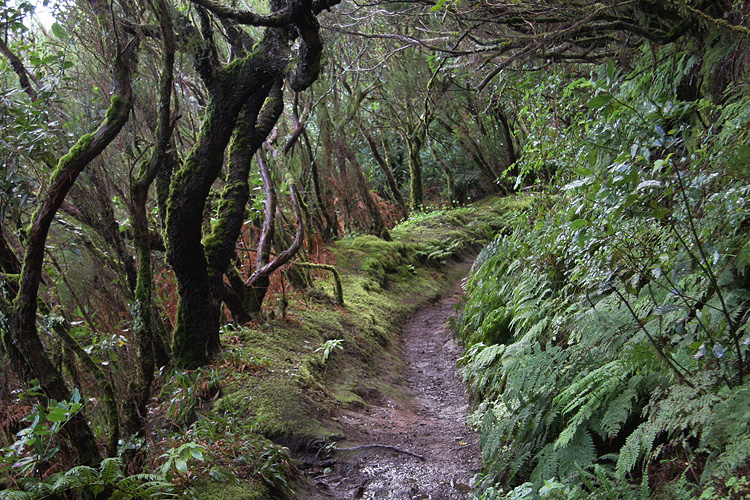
[64, 176]
[290, 252]
[266, 235]
[273, 20]
[19, 69]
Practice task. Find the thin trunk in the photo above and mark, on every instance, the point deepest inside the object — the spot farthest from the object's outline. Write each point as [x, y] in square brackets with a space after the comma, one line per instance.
[415, 138]
[104, 382]
[135, 408]
[377, 225]
[508, 136]
[19, 69]
[388, 172]
[257, 284]
[448, 177]
[330, 230]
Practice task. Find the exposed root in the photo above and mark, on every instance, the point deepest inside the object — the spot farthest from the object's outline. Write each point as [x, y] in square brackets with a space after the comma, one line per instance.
[383, 446]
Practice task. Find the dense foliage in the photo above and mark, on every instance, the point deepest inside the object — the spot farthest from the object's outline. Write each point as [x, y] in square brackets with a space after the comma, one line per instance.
[607, 336]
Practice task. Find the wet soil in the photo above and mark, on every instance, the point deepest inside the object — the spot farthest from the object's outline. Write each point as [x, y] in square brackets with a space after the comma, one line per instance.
[413, 444]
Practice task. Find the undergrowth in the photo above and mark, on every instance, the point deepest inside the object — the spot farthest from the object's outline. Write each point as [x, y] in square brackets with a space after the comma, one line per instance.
[607, 335]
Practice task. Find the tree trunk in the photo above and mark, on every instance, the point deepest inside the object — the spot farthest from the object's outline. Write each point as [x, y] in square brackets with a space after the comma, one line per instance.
[245, 82]
[415, 140]
[196, 334]
[330, 230]
[388, 172]
[135, 408]
[448, 177]
[377, 225]
[64, 176]
[508, 136]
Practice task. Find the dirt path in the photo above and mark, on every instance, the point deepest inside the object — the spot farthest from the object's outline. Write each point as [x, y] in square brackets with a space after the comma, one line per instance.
[423, 449]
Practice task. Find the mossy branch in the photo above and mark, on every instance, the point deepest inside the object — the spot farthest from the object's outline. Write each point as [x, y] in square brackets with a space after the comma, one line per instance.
[718, 22]
[336, 277]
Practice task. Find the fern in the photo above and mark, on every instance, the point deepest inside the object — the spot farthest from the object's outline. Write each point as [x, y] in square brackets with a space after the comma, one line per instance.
[109, 475]
[589, 395]
[727, 435]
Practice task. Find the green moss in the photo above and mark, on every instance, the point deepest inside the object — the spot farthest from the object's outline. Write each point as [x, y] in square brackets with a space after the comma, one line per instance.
[207, 489]
[441, 235]
[347, 396]
[83, 143]
[115, 107]
[78, 148]
[378, 258]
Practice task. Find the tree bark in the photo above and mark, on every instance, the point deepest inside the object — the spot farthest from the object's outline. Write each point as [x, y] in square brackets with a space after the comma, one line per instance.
[415, 138]
[377, 225]
[448, 177]
[246, 81]
[19, 69]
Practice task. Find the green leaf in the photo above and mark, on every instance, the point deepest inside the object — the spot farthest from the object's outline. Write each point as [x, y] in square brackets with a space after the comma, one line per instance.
[181, 465]
[599, 101]
[59, 31]
[578, 224]
[57, 415]
[648, 184]
[576, 184]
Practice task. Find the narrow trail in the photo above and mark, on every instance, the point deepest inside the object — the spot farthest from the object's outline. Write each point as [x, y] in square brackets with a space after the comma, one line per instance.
[422, 447]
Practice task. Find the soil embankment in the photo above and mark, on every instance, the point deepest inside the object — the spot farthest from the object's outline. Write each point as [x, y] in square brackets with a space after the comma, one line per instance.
[412, 444]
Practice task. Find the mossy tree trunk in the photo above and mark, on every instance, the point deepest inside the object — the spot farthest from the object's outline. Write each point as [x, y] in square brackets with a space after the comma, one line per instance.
[135, 406]
[238, 92]
[23, 334]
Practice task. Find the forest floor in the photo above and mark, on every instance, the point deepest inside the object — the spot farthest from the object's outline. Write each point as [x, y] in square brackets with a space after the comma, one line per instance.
[411, 443]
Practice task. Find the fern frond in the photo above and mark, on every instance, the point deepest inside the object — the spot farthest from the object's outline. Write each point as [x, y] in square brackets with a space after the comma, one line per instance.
[638, 444]
[617, 412]
[144, 486]
[111, 470]
[589, 395]
[16, 495]
[580, 453]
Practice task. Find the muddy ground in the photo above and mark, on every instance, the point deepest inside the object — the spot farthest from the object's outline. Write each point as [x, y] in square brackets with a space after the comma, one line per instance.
[413, 446]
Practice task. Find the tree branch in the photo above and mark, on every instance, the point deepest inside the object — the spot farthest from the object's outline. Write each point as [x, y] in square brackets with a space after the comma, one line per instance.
[19, 69]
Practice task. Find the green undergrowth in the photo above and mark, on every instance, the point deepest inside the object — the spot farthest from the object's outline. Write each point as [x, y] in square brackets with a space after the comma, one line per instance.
[437, 237]
[288, 376]
[608, 335]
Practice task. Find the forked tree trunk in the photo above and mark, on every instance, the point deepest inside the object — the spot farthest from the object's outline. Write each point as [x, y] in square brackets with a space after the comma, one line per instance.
[244, 83]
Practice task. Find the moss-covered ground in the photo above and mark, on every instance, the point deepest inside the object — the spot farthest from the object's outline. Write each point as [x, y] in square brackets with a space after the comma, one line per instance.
[283, 379]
